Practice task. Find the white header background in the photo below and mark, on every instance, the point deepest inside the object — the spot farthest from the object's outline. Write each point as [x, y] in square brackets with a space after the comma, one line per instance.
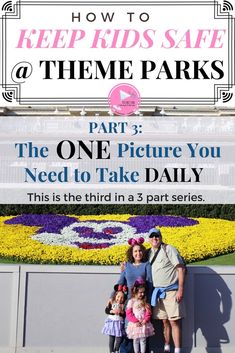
[163, 16]
[217, 182]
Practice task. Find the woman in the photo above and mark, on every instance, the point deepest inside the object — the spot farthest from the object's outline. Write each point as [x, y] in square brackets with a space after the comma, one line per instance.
[135, 268]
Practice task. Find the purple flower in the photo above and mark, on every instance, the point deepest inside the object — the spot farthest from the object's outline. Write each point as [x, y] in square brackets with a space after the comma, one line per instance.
[90, 246]
[93, 234]
[89, 233]
[50, 223]
[113, 230]
[144, 223]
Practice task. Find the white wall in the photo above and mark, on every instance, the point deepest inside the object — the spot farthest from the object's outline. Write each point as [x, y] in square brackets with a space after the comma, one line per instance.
[60, 309]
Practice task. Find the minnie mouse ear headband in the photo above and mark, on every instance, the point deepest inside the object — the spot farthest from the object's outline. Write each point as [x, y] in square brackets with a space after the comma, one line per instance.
[137, 241]
[139, 282]
[121, 288]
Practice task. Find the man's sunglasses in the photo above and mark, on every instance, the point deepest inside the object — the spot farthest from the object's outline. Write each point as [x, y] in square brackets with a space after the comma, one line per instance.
[154, 235]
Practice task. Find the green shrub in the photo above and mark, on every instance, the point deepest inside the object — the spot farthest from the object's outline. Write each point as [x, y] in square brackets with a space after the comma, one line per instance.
[209, 211]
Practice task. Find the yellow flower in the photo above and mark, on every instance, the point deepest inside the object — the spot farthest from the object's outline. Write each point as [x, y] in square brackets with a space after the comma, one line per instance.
[208, 238]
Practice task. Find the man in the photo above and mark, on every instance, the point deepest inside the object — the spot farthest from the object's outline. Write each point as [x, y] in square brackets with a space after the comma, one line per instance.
[168, 272]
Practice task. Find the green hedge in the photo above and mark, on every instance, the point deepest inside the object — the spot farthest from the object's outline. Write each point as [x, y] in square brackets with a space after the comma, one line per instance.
[210, 211]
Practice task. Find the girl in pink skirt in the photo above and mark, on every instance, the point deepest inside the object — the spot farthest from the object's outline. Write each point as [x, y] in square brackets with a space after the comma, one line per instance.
[138, 313]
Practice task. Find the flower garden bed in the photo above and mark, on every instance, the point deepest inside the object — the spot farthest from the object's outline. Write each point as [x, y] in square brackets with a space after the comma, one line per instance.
[102, 239]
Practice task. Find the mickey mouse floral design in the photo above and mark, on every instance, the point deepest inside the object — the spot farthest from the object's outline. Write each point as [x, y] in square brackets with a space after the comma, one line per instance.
[69, 231]
[101, 239]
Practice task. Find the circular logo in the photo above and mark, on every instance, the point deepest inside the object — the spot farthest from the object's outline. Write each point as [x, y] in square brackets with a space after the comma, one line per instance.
[124, 99]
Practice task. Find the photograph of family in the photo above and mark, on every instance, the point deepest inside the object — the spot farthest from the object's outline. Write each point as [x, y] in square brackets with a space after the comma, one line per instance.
[137, 279]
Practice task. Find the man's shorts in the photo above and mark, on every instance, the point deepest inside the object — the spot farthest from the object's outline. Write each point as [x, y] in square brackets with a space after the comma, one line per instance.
[168, 308]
